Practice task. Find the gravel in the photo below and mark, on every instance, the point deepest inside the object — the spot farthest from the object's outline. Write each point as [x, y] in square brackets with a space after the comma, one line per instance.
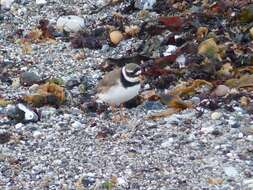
[70, 149]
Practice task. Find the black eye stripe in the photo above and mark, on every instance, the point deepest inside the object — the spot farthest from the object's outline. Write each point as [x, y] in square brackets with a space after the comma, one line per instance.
[133, 71]
[132, 74]
[137, 69]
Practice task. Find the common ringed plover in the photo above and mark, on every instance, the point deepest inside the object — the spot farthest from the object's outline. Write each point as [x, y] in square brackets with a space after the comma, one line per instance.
[120, 85]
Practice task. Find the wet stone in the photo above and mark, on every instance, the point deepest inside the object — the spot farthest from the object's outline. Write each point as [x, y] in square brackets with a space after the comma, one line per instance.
[72, 83]
[236, 125]
[29, 78]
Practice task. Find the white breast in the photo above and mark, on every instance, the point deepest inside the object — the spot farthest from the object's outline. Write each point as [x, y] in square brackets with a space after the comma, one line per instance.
[118, 94]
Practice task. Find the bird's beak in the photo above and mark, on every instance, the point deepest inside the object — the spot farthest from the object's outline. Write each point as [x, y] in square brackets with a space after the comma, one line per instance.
[139, 72]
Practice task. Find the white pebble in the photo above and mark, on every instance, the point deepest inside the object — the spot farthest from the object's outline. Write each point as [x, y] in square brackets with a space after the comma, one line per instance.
[217, 147]
[240, 135]
[181, 60]
[70, 23]
[221, 90]
[121, 181]
[250, 138]
[216, 115]
[37, 134]
[230, 171]
[19, 125]
[41, 2]
[171, 49]
[76, 124]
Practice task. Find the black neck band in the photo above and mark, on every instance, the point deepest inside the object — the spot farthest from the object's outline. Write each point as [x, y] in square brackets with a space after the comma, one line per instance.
[126, 83]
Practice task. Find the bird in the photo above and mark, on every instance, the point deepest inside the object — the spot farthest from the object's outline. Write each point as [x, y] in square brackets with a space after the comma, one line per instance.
[120, 85]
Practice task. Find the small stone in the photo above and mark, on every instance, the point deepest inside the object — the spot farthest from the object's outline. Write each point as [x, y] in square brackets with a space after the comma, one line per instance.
[216, 115]
[230, 171]
[76, 124]
[249, 129]
[250, 138]
[70, 23]
[116, 37]
[248, 173]
[4, 137]
[121, 181]
[72, 83]
[29, 78]
[49, 62]
[221, 90]
[19, 125]
[202, 32]
[215, 181]
[33, 88]
[216, 132]
[170, 50]
[86, 181]
[132, 30]
[37, 134]
[41, 2]
[195, 100]
[144, 4]
[236, 125]
[181, 61]
[240, 135]
[244, 101]
[209, 48]
[105, 48]
[15, 83]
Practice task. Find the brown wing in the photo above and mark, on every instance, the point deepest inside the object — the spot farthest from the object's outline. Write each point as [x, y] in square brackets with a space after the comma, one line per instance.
[109, 79]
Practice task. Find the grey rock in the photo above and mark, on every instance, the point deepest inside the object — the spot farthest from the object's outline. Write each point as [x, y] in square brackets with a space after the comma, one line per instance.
[29, 78]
